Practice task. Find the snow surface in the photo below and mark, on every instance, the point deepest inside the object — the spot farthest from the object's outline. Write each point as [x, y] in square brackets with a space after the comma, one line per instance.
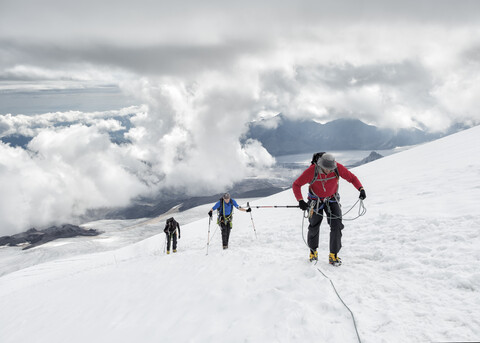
[410, 274]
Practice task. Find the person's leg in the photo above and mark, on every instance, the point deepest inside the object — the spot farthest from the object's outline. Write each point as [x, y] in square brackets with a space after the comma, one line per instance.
[168, 243]
[174, 238]
[228, 228]
[334, 218]
[225, 233]
[314, 230]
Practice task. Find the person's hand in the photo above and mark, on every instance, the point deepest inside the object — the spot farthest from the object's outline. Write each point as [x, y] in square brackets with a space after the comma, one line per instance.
[362, 195]
[210, 213]
[303, 205]
[249, 210]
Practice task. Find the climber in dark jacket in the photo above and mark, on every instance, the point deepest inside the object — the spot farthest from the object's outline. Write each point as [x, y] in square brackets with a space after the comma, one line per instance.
[171, 227]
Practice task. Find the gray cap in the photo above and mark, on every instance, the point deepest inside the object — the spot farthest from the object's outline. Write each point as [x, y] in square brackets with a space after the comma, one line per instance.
[327, 161]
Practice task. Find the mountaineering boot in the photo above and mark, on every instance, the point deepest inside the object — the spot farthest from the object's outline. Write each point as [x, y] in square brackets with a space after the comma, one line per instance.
[225, 247]
[174, 250]
[334, 260]
[313, 255]
[168, 252]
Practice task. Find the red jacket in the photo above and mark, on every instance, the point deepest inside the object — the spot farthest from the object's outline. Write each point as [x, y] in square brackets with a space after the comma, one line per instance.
[327, 188]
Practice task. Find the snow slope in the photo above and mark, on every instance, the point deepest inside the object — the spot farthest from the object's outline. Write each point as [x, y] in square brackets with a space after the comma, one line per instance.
[410, 274]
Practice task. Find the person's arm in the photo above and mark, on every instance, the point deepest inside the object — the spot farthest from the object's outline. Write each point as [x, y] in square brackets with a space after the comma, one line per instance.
[217, 205]
[350, 177]
[303, 179]
[234, 203]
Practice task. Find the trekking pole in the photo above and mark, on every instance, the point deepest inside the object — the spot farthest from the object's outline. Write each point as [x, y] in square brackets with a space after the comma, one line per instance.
[164, 244]
[208, 240]
[276, 206]
[251, 217]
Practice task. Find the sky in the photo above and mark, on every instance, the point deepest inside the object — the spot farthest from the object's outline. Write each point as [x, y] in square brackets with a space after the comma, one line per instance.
[190, 76]
[409, 274]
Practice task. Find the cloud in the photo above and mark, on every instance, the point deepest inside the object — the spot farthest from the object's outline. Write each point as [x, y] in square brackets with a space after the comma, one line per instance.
[32, 125]
[191, 133]
[63, 173]
[187, 139]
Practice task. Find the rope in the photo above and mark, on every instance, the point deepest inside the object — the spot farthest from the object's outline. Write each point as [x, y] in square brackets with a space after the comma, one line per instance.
[361, 211]
[339, 297]
[331, 282]
[303, 235]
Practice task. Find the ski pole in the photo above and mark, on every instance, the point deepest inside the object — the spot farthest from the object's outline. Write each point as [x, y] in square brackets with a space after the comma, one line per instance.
[208, 240]
[164, 244]
[276, 206]
[251, 217]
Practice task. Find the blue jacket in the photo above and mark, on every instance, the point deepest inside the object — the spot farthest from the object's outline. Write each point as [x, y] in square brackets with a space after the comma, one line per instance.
[228, 206]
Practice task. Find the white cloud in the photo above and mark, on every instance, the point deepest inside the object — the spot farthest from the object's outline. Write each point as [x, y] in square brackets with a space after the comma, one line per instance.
[65, 172]
[34, 124]
[190, 132]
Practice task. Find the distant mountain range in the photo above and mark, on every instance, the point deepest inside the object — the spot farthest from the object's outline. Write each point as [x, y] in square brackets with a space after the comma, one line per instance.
[282, 136]
[370, 158]
[153, 207]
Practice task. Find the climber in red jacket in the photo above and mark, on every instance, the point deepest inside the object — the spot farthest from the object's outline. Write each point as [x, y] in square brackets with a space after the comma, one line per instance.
[323, 178]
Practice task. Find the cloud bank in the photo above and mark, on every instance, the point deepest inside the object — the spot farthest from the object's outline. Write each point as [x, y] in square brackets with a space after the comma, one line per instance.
[71, 165]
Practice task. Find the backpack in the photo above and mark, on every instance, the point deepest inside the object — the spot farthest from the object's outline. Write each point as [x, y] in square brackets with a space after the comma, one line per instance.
[171, 225]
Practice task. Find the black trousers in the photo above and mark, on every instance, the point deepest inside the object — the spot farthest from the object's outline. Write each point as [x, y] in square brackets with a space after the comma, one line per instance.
[226, 227]
[171, 237]
[333, 213]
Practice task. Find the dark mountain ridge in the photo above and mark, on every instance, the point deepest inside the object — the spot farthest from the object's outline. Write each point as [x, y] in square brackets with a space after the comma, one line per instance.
[294, 137]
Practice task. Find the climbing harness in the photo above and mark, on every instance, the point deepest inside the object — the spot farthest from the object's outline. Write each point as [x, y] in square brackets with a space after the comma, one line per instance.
[222, 218]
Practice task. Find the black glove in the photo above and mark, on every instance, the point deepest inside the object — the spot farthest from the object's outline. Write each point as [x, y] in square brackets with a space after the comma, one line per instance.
[249, 209]
[210, 213]
[303, 205]
[362, 194]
